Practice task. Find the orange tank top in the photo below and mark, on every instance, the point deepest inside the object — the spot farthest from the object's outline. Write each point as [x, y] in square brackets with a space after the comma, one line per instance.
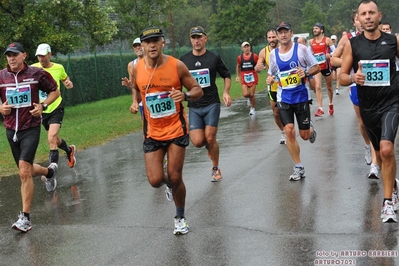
[320, 49]
[163, 119]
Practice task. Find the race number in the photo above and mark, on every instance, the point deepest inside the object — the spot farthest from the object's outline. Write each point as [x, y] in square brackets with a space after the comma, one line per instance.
[289, 79]
[19, 97]
[320, 58]
[202, 76]
[249, 77]
[160, 105]
[376, 71]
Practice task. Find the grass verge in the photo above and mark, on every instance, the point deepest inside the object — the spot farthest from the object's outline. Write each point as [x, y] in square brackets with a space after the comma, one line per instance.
[96, 123]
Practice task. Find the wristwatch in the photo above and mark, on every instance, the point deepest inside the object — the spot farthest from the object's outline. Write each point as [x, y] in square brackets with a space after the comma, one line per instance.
[307, 73]
[186, 96]
[44, 106]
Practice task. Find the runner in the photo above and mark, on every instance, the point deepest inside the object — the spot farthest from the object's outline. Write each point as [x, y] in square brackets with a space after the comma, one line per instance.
[158, 80]
[290, 61]
[322, 47]
[372, 57]
[369, 156]
[53, 114]
[245, 72]
[264, 63]
[205, 112]
[20, 86]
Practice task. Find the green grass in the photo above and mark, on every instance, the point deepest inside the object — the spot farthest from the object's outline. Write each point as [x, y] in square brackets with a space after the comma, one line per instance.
[96, 123]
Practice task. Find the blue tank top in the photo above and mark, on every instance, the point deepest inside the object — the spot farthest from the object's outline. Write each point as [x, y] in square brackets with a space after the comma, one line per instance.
[297, 94]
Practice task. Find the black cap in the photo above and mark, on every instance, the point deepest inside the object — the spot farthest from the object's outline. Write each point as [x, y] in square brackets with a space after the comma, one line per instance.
[150, 33]
[197, 30]
[284, 25]
[319, 25]
[15, 47]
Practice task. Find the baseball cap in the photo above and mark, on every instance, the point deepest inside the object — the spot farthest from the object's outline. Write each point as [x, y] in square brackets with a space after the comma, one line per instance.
[284, 25]
[150, 33]
[333, 37]
[244, 43]
[43, 49]
[197, 30]
[15, 47]
[319, 25]
[136, 41]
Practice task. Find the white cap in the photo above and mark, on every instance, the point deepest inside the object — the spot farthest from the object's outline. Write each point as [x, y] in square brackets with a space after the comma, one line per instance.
[333, 37]
[244, 43]
[43, 49]
[136, 41]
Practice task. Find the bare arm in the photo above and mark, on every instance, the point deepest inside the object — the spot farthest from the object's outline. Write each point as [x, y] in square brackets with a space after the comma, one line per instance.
[128, 82]
[67, 83]
[346, 66]
[336, 59]
[260, 65]
[136, 98]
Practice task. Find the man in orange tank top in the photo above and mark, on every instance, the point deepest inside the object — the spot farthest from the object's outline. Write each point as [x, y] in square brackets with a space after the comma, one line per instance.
[157, 81]
[322, 47]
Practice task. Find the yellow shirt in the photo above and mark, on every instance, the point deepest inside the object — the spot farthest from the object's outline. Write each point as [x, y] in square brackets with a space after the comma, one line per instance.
[58, 73]
[274, 86]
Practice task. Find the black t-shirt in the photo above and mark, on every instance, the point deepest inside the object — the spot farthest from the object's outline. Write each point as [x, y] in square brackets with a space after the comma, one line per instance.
[213, 63]
[385, 47]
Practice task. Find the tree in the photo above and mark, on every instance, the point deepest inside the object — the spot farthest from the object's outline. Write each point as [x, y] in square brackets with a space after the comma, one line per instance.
[240, 20]
[64, 24]
[313, 14]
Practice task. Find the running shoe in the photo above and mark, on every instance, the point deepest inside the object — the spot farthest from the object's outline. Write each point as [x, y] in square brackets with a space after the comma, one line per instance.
[336, 92]
[312, 137]
[331, 109]
[181, 226]
[319, 112]
[252, 111]
[23, 224]
[388, 214]
[71, 156]
[216, 174]
[282, 137]
[299, 172]
[51, 183]
[395, 198]
[374, 171]
[367, 155]
[168, 193]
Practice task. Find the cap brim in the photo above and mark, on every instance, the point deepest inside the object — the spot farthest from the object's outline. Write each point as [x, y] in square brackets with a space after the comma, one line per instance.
[287, 28]
[151, 36]
[12, 50]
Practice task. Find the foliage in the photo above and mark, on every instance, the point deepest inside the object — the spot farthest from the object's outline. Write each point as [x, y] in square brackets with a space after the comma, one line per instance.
[65, 24]
[239, 20]
[313, 14]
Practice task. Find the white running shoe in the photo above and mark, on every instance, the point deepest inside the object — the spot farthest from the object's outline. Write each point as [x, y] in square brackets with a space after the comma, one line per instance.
[336, 92]
[367, 155]
[374, 171]
[283, 137]
[181, 226]
[23, 224]
[299, 172]
[388, 214]
[312, 137]
[395, 198]
[252, 111]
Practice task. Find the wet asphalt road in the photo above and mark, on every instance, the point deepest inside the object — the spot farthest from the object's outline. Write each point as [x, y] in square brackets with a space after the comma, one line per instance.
[104, 212]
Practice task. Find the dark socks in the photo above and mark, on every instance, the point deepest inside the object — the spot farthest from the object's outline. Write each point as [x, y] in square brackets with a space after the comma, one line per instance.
[54, 156]
[390, 199]
[180, 212]
[63, 146]
[50, 173]
[26, 215]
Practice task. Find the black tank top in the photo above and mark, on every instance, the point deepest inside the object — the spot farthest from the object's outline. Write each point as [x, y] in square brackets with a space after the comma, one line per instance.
[384, 47]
